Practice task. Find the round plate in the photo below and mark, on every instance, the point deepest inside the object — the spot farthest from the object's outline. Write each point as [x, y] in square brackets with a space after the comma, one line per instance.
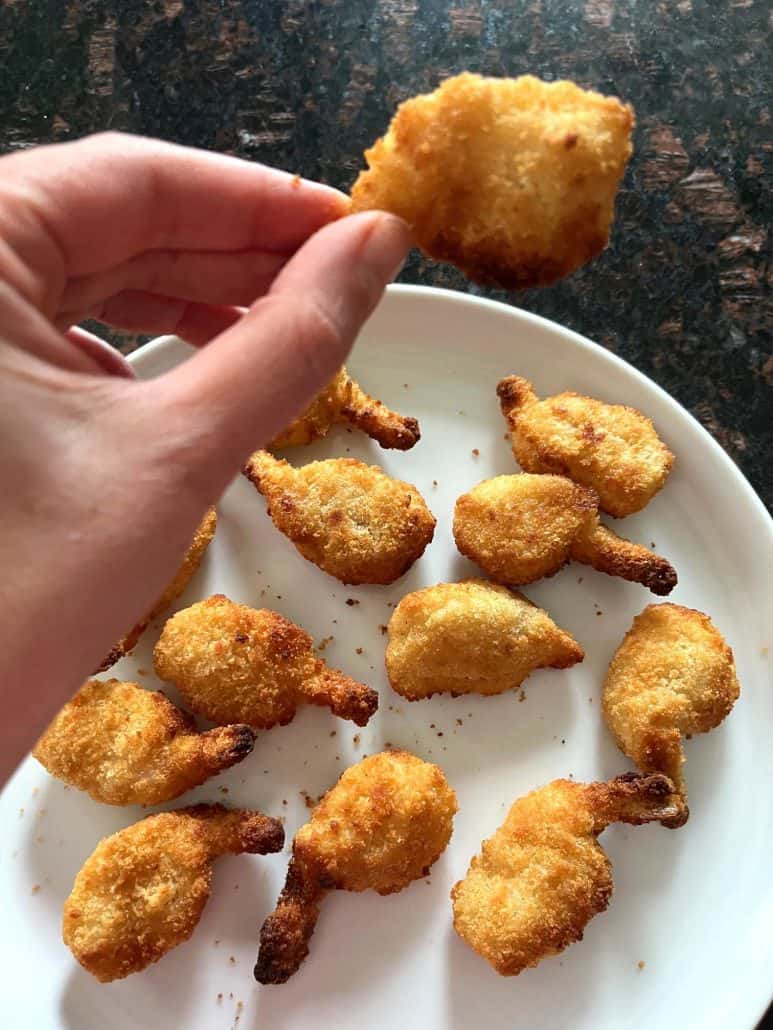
[686, 939]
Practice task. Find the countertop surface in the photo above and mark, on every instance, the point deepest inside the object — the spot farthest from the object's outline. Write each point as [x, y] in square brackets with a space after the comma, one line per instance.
[684, 290]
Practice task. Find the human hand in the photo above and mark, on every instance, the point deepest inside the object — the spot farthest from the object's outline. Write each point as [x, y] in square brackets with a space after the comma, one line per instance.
[104, 477]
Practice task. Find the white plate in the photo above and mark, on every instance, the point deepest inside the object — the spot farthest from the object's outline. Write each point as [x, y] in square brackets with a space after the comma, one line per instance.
[694, 905]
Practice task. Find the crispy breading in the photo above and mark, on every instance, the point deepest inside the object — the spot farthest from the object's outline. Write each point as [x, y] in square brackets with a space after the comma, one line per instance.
[127, 746]
[142, 890]
[344, 400]
[471, 637]
[351, 519]
[611, 448]
[543, 875]
[190, 564]
[382, 826]
[673, 675]
[511, 180]
[233, 663]
[523, 527]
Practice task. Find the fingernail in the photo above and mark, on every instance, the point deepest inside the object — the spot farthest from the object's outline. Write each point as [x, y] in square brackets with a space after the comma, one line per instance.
[386, 245]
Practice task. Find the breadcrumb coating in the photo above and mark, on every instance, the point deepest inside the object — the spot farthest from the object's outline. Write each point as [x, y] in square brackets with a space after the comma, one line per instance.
[511, 180]
[543, 875]
[127, 746]
[471, 637]
[613, 449]
[386, 821]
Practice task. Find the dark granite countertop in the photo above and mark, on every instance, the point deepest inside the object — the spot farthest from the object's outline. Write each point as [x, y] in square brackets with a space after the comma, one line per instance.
[683, 292]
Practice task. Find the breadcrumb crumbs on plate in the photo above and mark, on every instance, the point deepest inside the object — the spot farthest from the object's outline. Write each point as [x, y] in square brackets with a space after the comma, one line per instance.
[324, 643]
[219, 996]
[223, 790]
[358, 650]
[475, 452]
[351, 601]
[434, 482]
[459, 722]
[142, 672]
[522, 696]
[232, 960]
[640, 964]
[356, 740]
[764, 652]
[382, 629]
[35, 888]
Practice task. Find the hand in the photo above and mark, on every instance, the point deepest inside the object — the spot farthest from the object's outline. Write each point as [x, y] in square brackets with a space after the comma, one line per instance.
[104, 478]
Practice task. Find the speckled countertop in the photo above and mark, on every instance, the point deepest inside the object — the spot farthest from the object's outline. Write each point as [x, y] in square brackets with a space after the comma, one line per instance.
[683, 292]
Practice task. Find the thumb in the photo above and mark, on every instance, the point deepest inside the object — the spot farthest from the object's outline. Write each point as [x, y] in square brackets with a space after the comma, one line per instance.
[248, 383]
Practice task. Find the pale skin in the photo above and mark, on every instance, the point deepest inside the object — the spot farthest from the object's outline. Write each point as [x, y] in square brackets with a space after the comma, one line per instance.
[105, 478]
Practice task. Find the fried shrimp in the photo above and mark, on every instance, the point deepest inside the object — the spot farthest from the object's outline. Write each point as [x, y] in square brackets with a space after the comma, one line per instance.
[382, 826]
[234, 664]
[351, 519]
[511, 180]
[608, 447]
[344, 401]
[521, 528]
[142, 891]
[673, 675]
[543, 875]
[190, 564]
[127, 746]
[472, 637]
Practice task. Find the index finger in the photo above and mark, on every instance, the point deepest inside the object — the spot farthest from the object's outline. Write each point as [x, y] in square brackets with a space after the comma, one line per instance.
[102, 200]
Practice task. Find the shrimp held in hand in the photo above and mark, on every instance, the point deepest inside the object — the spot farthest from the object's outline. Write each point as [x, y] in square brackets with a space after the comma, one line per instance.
[190, 564]
[521, 528]
[351, 519]
[382, 826]
[472, 637]
[608, 447]
[127, 746]
[233, 664]
[543, 875]
[142, 891]
[344, 400]
[511, 180]
[672, 676]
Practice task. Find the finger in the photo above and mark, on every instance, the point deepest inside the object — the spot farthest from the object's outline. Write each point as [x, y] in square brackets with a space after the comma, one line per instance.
[101, 353]
[89, 205]
[209, 277]
[138, 312]
[251, 381]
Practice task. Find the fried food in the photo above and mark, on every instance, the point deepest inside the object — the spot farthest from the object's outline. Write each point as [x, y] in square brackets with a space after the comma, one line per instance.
[344, 400]
[521, 528]
[608, 447]
[142, 891]
[543, 875]
[127, 746]
[235, 664]
[351, 519]
[511, 180]
[472, 637]
[385, 822]
[190, 564]
[673, 675]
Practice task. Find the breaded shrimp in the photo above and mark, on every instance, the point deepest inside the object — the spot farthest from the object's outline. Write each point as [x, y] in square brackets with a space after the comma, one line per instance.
[608, 447]
[127, 746]
[673, 675]
[142, 891]
[543, 875]
[233, 664]
[385, 822]
[521, 528]
[344, 400]
[511, 180]
[190, 564]
[471, 637]
[351, 519]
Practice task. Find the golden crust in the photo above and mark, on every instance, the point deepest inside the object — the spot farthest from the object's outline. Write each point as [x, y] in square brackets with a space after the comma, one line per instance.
[471, 637]
[511, 180]
[233, 663]
[142, 891]
[611, 448]
[543, 875]
[343, 400]
[351, 519]
[127, 746]
[190, 564]
[673, 675]
[386, 821]
[523, 527]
